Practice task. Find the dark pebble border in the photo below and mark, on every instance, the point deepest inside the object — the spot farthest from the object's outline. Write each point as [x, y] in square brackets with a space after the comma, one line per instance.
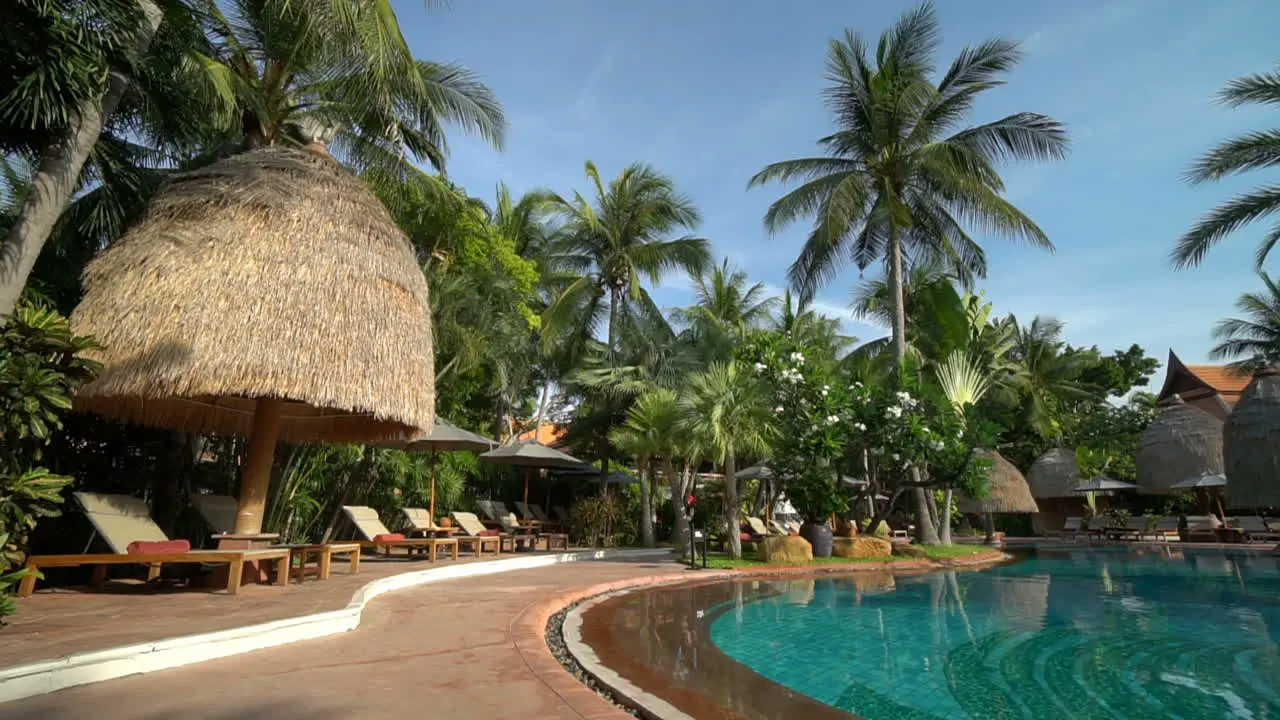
[555, 641]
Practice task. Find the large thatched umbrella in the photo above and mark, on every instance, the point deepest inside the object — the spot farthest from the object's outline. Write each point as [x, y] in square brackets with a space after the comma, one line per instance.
[1251, 446]
[268, 295]
[1052, 477]
[1008, 491]
[1183, 441]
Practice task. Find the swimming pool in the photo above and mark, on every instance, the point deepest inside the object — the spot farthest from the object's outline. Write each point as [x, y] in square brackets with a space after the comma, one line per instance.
[1124, 633]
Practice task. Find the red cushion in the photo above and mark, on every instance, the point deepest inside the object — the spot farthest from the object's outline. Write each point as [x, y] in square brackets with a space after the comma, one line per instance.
[388, 537]
[793, 533]
[490, 533]
[745, 536]
[157, 547]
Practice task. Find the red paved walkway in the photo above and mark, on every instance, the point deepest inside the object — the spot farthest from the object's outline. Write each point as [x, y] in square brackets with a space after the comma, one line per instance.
[445, 650]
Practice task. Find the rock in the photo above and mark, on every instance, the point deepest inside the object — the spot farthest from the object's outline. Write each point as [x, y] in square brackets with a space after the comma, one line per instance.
[909, 551]
[863, 546]
[785, 550]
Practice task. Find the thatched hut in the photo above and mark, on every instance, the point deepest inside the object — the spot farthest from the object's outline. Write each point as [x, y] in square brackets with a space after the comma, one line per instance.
[1251, 447]
[1052, 478]
[270, 295]
[1008, 491]
[1182, 442]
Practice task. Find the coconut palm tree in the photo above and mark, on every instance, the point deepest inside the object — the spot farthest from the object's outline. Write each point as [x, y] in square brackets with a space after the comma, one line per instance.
[726, 303]
[1252, 151]
[608, 245]
[1253, 340]
[898, 180]
[724, 410]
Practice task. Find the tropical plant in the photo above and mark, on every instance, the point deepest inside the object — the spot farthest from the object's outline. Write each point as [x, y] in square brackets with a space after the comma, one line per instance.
[1253, 340]
[650, 434]
[1256, 150]
[608, 245]
[726, 305]
[898, 179]
[723, 410]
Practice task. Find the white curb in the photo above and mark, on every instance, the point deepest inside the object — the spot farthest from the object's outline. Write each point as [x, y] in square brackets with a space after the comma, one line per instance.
[46, 676]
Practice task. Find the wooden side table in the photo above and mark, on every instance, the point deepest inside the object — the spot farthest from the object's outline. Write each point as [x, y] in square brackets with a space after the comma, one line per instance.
[323, 557]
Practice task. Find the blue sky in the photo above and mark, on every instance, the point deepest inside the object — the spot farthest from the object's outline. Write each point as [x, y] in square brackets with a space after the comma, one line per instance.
[709, 91]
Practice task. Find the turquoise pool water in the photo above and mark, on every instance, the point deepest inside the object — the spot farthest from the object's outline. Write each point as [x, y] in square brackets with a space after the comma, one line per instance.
[1078, 634]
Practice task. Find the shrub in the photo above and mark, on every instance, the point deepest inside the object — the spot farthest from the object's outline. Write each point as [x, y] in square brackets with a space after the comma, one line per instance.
[601, 522]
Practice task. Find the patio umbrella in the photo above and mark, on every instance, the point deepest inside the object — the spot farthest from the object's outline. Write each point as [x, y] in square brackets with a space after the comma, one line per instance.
[269, 295]
[532, 454]
[1103, 484]
[1203, 484]
[444, 437]
[755, 472]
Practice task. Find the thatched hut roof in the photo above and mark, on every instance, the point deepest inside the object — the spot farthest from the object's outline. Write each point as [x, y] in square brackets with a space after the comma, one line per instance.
[1251, 445]
[1008, 491]
[1054, 474]
[1182, 442]
[274, 273]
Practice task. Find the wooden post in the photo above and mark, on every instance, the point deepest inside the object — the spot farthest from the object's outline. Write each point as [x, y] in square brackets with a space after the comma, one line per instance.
[256, 480]
[431, 512]
[526, 487]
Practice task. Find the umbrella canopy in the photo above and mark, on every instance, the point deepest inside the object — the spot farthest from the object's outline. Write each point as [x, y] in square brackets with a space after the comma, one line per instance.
[618, 477]
[533, 454]
[755, 472]
[271, 295]
[1184, 440]
[1101, 483]
[1251, 446]
[1054, 474]
[1206, 480]
[447, 437]
[1008, 491]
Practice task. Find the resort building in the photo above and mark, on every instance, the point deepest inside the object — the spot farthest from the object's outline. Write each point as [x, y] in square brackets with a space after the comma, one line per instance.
[1211, 388]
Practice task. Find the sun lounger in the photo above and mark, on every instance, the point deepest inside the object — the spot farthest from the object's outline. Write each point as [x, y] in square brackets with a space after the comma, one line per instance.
[477, 536]
[420, 521]
[1071, 527]
[121, 521]
[1131, 530]
[219, 513]
[491, 513]
[758, 527]
[547, 522]
[521, 535]
[562, 515]
[1201, 528]
[377, 536]
[1256, 527]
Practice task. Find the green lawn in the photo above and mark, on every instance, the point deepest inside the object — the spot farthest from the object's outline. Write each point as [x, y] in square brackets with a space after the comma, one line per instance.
[935, 552]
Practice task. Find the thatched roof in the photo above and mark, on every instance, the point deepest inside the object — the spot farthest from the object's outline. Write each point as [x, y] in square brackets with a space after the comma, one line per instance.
[1183, 441]
[273, 273]
[1008, 491]
[1054, 474]
[1251, 445]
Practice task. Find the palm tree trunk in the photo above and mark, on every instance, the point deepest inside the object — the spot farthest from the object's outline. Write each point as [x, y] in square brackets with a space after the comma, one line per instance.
[646, 502]
[680, 527]
[732, 506]
[59, 175]
[944, 518]
[614, 301]
[926, 532]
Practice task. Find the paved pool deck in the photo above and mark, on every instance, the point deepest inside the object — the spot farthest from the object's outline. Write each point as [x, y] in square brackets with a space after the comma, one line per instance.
[467, 648]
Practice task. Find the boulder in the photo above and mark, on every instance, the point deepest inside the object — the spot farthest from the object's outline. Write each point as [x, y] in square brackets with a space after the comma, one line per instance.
[784, 550]
[909, 551]
[863, 546]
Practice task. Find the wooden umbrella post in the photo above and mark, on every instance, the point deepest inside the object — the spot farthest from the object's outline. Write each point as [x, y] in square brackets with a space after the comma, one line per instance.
[431, 512]
[256, 480]
[526, 488]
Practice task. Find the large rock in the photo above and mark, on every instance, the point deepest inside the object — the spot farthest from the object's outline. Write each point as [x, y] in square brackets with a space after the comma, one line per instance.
[910, 551]
[863, 546]
[785, 550]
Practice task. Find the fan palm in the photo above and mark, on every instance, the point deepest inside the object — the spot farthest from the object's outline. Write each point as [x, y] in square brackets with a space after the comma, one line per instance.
[724, 409]
[650, 434]
[1255, 338]
[1251, 151]
[898, 182]
[607, 246]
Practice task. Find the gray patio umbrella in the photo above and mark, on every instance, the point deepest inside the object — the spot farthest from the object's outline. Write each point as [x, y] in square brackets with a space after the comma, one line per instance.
[532, 454]
[755, 472]
[1101, 483]
[445, 437]
[1203, 484]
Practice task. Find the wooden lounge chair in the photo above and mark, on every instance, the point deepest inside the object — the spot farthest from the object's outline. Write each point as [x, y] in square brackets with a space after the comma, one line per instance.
[492, 511]
[545, 520]
[1132, 529]
[561, 515]
[1071, 527]
[477, 536]
[521, 534]
[219, 513]
[376, 535]
[1256, 528]
[122, 520]
[758, 527]
[1201, 528]
[420, 521]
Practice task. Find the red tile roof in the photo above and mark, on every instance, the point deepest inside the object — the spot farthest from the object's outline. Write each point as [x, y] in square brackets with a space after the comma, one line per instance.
[548, 434]
[1229, 384]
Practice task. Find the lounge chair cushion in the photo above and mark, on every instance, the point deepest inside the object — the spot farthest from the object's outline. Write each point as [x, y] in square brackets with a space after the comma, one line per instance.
[744, 536]
[388, 537]
[490, 533]
[158, 547]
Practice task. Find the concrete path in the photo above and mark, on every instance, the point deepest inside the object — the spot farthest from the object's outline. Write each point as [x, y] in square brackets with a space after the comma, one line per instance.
[445, 650]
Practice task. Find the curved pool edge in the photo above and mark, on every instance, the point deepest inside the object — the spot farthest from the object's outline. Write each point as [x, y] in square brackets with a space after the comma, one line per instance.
[531, 627]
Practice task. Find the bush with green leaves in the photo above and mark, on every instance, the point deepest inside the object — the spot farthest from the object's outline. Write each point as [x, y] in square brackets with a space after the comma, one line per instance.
[41, 366]
[602, 521]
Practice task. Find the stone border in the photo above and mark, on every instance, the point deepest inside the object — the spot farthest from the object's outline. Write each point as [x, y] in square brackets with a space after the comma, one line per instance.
[46, 676]
[529, 629]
